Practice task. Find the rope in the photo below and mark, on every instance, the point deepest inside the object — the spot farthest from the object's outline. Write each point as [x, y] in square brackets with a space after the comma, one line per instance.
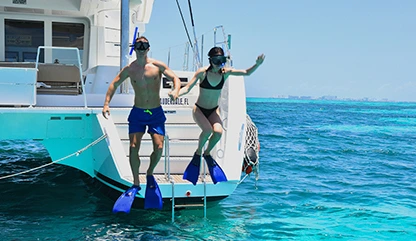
[59, 160]
[184, 24]
[195, 46]
[190, 12]
[196, 49]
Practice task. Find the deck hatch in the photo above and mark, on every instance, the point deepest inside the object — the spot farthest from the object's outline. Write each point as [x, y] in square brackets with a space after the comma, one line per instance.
[73, 118]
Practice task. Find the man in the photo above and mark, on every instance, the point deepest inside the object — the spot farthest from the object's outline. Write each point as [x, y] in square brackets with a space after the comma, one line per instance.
[145, 76]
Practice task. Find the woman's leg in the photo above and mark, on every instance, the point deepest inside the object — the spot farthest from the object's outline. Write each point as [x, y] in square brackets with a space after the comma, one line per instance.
[216, 123]
[205, 126]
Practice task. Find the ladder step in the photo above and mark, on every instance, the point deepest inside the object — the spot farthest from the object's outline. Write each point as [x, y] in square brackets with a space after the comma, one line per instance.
[188, 205]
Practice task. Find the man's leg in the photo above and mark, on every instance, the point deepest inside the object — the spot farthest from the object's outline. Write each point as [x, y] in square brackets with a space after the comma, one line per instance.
[135, 141]
[157, 152]
[215, 121]
[153, 196]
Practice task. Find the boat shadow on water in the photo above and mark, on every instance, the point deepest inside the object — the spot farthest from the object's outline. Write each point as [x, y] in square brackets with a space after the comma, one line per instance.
[57, 187]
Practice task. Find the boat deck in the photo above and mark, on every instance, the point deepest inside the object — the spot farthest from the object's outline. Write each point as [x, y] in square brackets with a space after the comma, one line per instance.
[177, 178]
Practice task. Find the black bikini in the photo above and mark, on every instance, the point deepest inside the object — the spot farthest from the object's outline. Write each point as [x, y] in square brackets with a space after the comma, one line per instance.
[206, 85]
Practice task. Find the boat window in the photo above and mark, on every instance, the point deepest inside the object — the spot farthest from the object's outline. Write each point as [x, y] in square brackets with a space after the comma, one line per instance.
[22, 39]
[67, 35]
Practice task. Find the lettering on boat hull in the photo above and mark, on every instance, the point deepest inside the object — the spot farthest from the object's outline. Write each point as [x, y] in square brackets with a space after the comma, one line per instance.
[178, 101]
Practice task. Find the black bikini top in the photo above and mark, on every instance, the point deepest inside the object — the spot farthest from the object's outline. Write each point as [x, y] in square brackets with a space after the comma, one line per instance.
[206, 85]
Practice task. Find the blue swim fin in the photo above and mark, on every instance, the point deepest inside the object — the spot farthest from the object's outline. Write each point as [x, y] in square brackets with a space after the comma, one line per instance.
[124, 202]
[191, 172]
[153, 198]
[217, 174]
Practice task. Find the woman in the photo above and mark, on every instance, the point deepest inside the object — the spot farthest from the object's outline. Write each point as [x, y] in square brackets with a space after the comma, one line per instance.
[206, 113]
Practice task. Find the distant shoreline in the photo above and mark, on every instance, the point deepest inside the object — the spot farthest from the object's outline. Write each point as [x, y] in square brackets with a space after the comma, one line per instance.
[326, 99]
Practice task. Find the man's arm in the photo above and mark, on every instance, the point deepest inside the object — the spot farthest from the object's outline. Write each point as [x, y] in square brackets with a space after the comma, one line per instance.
[197, 76]
[164, 69]
[174, 94]
[123, 75]
[248, 71]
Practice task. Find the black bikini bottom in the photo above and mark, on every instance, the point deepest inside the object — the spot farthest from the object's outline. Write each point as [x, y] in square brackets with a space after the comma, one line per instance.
[206, 112]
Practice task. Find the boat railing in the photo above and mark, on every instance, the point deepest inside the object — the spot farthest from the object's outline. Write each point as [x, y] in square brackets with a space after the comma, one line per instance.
[179, 57]
[57, 65]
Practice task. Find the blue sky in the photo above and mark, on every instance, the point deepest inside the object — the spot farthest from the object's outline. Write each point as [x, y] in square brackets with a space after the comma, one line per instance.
[350, 49]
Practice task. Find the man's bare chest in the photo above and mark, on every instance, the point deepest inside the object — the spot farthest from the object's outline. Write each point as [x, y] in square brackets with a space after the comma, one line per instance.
[144, 77]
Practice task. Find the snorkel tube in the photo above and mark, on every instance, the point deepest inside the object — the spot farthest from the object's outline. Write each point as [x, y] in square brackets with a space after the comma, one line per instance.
[133, 41]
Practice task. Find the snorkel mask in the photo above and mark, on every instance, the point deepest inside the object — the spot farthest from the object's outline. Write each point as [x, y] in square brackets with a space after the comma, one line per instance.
[218, 60]
[141, 46]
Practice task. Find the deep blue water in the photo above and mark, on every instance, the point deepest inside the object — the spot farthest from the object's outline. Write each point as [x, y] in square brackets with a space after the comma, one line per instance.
[328, 171]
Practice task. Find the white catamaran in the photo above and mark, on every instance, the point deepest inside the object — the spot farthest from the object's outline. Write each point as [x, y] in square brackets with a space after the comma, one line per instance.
[57, 59]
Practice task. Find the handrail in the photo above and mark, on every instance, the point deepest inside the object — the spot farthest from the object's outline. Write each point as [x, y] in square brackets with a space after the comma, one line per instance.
[79, 66]
[167, 174]
[205, 187]
[167, 157]
[173, 200]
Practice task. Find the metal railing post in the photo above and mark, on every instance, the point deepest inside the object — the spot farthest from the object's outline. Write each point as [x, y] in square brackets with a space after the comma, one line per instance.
[173, 201]
[124, 40]
[205, 189]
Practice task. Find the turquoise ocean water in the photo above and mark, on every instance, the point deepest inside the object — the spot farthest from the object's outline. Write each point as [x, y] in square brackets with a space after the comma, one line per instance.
[328, 171]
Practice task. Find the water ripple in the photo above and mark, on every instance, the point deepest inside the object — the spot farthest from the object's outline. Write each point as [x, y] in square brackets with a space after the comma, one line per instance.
[328, 171]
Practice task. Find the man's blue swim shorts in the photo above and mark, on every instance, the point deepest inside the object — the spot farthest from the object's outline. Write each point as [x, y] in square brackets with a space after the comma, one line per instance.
[154, 119]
